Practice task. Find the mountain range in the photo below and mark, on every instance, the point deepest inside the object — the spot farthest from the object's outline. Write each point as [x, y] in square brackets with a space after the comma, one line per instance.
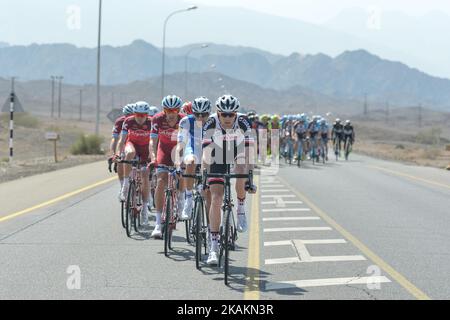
[351, 75]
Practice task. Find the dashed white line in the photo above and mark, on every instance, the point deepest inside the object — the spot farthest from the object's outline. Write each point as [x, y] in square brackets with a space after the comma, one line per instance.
[325, 282]
[283, 202]
[290, 218]
[318, 241]
[297, 229]
[278, 196]
[286, 210]
[274, 190]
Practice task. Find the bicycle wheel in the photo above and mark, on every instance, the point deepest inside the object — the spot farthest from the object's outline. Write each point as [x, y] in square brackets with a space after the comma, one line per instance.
[129, 209]
[122, 213]
[167, 229]
[198, 232]
[227, 242]
[136, 212]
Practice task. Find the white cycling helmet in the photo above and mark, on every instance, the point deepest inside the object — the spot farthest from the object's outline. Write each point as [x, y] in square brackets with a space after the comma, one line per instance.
[153, 111]
[228, 104]
[141, 107]
[201, 105]
[172, 102]
[128, 109]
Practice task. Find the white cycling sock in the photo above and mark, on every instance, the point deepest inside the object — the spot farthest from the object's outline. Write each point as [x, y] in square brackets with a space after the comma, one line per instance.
[121, 182]
[126, 182]
[158, 217]
[241, 206]
[188, 193]
[214, 241]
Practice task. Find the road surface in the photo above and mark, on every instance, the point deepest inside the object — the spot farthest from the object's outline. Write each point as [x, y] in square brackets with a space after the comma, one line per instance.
[362, 229]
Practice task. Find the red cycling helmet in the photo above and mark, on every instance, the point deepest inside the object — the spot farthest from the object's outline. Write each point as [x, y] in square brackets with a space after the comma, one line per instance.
[187, 108]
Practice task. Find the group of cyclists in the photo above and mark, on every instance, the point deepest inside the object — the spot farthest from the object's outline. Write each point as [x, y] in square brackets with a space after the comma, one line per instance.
[187, 137]
[192, 137]
[302, 137]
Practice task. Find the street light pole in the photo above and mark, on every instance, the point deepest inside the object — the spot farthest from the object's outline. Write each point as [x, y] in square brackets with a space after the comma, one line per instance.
[97, 118]
[59, 95]
[203, 46]
[53, 95]
[164, 45]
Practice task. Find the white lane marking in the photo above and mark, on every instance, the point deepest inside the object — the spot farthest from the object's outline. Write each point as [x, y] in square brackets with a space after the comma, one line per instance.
[325, 282]
[290, 218]
[290, 243]
[281, 202]
[282, 261]
[336, 258]
[286, 210]
[297, 229]
[274, 190]
[272, 185]
[305, 258]
[278, 196]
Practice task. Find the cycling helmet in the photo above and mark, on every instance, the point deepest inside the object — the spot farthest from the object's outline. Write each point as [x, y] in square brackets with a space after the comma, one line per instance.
[228, 103]
[187, 108]
[201, 105]
[128, 109]
[141, 107]
[275, 118]
[290, 117]
[347, 122]
[338, 121]
[153, 111]
[323, 121]
[172, 102]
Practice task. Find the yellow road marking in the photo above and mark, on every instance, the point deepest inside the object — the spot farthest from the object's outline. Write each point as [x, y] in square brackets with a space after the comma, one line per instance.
[58, 199]
[447, 186]
[405, 283]
[251, 291]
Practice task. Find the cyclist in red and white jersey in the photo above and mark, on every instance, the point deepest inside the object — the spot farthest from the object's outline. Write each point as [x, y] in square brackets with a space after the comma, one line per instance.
[117, 130]
[134, 142]
[162, 149]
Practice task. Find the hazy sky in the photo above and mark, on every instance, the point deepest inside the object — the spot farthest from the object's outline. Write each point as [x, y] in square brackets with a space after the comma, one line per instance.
[319, 11]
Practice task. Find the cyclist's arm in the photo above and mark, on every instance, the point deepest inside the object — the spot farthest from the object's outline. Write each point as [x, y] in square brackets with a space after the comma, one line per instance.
[113, 145]
[182, 138]
[153, 146]
[121, 143]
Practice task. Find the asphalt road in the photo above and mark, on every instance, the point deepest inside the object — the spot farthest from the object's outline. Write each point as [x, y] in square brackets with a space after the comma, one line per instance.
[362, 229]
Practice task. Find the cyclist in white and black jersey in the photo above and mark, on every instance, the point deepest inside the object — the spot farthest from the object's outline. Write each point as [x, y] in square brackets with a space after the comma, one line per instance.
[227, 139]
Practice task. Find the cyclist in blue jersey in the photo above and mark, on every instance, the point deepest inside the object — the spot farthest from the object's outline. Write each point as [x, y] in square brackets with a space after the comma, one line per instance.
[190, 145]
[313, 130]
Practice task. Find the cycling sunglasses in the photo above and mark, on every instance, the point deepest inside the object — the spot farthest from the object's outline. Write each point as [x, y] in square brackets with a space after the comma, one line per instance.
[227, 114]
[141, 115]
[171, 111]
[201, 115]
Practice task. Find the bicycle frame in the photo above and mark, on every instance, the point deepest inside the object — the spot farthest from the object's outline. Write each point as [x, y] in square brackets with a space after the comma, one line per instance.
[170, 209]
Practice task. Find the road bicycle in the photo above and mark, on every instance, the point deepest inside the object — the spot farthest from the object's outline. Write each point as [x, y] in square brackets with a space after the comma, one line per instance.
[348, 147]
[228, 230]
[134, 201]
[170, 208]
[198, 226]
[122, 203]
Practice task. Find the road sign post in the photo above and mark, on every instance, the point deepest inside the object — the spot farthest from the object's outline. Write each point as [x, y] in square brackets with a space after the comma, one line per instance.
[53, 136]
[11, 127]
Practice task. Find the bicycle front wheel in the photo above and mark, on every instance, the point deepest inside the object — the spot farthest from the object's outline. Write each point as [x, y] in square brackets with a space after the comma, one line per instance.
[198, 232]
[227, 244]
[129, 221]
[168, 218]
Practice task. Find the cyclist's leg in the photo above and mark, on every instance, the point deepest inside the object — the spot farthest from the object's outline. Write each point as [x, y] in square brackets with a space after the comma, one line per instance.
[161, 185]
[130, 153]
[190, 162]
[241, 195]
[216, 187]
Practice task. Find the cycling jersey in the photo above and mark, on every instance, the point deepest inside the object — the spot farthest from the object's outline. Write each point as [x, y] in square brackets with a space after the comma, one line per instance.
[137, 133]
[138, 136]
[191, 135]
[338, 129]
[167, 138]
[301, 128]
[117, 128]
[324, 131]
[228, 142]
[314, 128]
